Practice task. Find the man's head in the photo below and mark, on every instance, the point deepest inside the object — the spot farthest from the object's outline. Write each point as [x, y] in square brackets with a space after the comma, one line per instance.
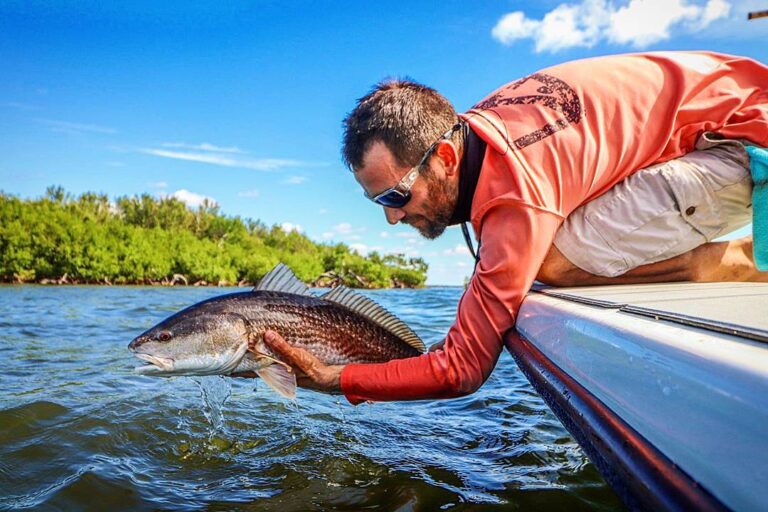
[388, 133]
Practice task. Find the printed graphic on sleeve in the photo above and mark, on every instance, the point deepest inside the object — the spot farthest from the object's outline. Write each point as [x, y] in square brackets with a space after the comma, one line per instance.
[553, 93]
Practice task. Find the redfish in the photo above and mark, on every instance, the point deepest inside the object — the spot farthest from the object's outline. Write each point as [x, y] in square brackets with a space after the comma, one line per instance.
[224, 335]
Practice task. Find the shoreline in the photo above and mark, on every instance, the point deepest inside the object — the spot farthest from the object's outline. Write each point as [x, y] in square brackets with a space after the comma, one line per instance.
[180, 283]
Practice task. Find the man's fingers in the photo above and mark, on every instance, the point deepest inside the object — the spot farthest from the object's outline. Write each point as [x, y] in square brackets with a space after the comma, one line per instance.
[310, 371]
[305, 382]
[437, 346]
[295, 357]
[246, 375]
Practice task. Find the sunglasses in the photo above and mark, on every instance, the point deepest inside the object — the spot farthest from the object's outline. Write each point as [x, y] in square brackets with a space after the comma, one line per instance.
[399, 195]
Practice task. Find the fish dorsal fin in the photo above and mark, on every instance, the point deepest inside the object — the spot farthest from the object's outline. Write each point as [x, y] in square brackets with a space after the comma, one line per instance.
[375, 313]
[282, 279]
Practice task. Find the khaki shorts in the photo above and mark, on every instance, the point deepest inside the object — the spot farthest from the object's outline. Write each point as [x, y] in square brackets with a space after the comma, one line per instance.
[662, 211]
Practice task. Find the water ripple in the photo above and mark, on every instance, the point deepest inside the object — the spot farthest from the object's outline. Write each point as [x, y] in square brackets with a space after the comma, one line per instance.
[80, 430]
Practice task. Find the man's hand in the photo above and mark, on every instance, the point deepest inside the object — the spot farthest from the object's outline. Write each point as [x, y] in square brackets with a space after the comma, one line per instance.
[437, 346]
[311, 373]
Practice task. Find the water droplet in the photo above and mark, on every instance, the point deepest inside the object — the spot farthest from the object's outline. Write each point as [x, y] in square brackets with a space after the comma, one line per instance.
[214, 392]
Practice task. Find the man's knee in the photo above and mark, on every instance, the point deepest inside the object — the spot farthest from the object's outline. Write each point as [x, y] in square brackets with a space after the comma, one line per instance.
[724, 261]
[689, 267]
[621, 233]
[557, 270]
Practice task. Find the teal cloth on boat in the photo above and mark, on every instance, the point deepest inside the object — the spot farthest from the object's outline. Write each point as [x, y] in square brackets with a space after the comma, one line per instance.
[758, 163]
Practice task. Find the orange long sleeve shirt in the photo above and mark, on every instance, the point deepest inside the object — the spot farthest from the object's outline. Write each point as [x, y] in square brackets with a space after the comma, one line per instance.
[555, 140]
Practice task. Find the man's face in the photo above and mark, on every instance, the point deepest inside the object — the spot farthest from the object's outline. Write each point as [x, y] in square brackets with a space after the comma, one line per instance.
[433, 195]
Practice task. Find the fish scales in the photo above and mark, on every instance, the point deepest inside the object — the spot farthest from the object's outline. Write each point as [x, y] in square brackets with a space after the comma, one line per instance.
[329, 331]
[224, 335]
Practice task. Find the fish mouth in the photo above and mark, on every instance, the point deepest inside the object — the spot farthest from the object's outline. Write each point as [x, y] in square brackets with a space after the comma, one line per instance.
[157, 364]
[194, 365]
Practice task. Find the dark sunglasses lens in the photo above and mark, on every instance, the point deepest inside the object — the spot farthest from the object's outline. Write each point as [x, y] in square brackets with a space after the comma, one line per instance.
[394, 199]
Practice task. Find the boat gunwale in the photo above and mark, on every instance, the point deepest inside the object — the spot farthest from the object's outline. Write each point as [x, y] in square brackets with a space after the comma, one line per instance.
[641, 475]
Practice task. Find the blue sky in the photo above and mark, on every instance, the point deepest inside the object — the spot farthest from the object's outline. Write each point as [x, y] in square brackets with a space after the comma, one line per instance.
[242, 102]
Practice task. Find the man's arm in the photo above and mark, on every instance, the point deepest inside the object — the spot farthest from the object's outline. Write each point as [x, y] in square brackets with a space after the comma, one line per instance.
[515, 240]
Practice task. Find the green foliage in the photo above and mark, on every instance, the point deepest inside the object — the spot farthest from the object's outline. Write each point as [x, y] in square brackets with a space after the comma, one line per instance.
[143, 239]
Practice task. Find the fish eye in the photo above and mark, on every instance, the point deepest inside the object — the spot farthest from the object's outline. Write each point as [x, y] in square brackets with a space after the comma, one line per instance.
[163, 336]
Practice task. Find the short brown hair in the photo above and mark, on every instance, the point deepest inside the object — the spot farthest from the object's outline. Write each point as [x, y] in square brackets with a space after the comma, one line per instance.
[405, 115]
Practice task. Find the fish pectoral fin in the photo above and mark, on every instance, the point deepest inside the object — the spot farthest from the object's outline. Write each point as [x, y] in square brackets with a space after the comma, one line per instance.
[261, 356]
[279, 378]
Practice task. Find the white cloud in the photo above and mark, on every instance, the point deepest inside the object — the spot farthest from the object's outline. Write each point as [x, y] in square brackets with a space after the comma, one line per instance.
[192, 199]
[365, 249]
[514, 26]
[406, 234]
[67, 127]
[384, 234]
[322, 211]
[158, 184]
[410, 252]
[459, 249]
[226, 160]
[18, 105]
[289, 226]
[344, 230]
[227, 156]
[294, 180]
[203, 147]
[637, 23]
[641, 23]
[714, 10]
[249, 193]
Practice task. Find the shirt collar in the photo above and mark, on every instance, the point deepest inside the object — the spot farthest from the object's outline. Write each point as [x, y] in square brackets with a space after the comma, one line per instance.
[469, 173]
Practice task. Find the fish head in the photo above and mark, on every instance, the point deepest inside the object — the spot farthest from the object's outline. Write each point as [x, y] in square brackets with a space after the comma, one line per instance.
[193, 343]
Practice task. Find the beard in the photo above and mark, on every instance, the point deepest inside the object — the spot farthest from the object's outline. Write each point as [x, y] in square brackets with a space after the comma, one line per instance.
[441, 200]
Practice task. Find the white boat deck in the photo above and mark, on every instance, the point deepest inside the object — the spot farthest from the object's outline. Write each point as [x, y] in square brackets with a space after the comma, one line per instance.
[743, 306]
[685, 365]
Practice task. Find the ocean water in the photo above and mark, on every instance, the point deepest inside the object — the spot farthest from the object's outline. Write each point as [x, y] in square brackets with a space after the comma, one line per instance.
[79, 430]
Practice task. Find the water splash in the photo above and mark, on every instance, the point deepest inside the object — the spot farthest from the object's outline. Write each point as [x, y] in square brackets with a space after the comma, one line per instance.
[214, 393]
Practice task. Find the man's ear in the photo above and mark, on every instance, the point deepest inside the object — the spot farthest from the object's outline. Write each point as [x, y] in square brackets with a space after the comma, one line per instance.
[448, 154]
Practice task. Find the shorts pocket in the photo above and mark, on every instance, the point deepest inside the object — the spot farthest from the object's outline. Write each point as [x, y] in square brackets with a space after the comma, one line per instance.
[639, 220]
[696, 200]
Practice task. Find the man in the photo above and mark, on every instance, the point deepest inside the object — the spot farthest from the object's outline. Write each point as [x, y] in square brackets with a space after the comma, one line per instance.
[527, 157]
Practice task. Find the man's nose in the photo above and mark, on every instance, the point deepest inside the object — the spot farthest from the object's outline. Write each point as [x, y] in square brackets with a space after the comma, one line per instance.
[394, 215]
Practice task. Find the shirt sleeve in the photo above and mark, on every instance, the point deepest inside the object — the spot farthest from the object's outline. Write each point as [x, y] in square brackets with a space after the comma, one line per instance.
[515, 240]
